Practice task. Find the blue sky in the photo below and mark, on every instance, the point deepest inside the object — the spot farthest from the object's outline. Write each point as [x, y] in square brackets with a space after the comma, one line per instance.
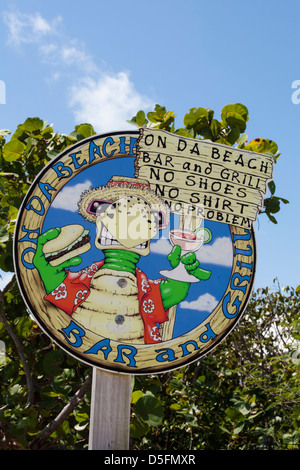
[100, 62]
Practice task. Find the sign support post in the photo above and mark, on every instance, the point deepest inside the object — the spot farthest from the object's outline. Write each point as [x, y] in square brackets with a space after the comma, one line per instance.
[110, 411]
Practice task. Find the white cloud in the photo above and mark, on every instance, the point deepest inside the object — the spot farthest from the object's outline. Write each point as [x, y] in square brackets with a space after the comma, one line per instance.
[104, 99]
[220, 252]
[28, 28]
[107, 102]
[55, 48]
[66, 54]
[205, 302]
[162, 246]
[67, 198]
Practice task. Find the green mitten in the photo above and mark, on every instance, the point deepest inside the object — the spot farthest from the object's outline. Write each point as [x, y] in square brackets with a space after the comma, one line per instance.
[174, 256]
[192, 266]
[52, 276]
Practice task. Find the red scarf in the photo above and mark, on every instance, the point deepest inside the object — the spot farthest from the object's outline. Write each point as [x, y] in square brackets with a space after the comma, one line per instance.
[76, 288]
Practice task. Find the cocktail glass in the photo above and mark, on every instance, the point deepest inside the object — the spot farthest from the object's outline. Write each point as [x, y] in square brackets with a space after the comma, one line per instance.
[189, 242]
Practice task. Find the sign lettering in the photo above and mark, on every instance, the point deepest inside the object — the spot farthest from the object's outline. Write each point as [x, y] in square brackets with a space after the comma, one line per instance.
[229, 183]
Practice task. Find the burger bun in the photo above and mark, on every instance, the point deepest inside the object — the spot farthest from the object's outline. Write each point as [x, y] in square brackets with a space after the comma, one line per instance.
[73, 240]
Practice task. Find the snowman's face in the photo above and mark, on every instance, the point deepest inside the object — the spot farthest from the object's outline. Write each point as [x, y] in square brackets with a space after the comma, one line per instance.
[128, 223]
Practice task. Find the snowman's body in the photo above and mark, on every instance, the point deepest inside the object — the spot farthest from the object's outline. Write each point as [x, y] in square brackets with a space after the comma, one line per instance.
[112, 308]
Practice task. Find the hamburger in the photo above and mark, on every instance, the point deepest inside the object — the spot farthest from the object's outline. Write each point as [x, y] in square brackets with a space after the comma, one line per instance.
[73, 240]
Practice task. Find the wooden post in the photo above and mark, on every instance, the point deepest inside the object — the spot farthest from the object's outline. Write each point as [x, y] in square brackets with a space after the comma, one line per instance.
[110, 411]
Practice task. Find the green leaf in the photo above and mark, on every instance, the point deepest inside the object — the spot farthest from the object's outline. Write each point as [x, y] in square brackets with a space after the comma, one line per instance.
[175, 407]
[12, 213]
[81, 417]
[33, 124]
[23, 326]
[214, 127]
[237, 108]
[13, 150]
[196, 118]
[272, 218]
[273, 204]
[238, 428]
[263, 146]
[160, 111]
[233, 413]
[233, 135]
[138, 428]
[52, 153]
[84, 130]
[184, 132]
[235, 120]
[52, 361]
[150, 409]
[140, 118]
[242, 140]
[272, 187]
[153, 117]
[63, 430]
[29, 421]
[136, 395]
[6, 262]
[190, 419]
[224, 429]
[205, 131]
[176, 385]
[242, 407]
[47, 132]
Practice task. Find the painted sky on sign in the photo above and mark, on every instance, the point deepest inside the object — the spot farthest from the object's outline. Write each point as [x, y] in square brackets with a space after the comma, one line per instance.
[100, 62]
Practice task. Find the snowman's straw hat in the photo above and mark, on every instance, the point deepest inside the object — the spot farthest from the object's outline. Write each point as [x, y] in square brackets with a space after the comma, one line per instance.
[120, 187]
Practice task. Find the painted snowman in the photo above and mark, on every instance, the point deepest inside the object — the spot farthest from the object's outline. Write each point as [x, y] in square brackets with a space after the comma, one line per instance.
[113, 297]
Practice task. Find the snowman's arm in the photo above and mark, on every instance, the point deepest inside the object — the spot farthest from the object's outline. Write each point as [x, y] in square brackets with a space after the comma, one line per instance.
[173, 292]
[192, 266]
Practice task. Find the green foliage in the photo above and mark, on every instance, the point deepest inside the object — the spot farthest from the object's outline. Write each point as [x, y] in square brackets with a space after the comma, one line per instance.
[242, 396]
[200, 123]
[56, 377]
[29, 149]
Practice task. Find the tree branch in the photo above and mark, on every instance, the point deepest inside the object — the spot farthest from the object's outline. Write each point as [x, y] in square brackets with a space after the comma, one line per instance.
[10, 331]
[38, 441]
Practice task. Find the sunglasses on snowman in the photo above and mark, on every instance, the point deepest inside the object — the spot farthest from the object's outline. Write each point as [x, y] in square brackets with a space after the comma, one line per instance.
[99, 206]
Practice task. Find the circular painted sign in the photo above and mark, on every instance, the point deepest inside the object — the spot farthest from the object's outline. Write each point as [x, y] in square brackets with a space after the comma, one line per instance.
[118, 277]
